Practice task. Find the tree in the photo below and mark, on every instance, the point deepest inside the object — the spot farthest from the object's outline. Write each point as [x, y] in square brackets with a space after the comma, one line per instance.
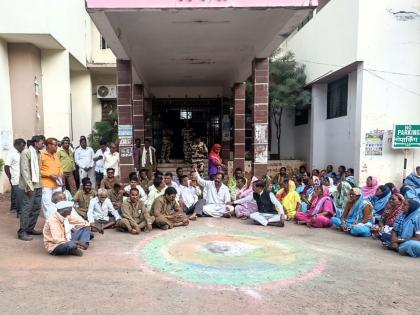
[287, 88]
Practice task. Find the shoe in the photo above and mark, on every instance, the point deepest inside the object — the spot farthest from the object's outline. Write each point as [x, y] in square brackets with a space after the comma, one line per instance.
[25, 237]
[35, 232]
[165, 227]
[76, 252]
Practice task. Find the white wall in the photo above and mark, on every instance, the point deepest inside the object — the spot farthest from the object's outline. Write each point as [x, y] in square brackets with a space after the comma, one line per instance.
[328, 41]
[81, 102]
[5, 111]
[99, 55]
[66, 21]
[389, 44]
[294, 140]
[56, 93]
[332, 140]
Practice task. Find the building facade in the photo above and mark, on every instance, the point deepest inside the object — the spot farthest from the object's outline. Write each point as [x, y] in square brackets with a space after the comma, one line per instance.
[362, 63]
[51, 61]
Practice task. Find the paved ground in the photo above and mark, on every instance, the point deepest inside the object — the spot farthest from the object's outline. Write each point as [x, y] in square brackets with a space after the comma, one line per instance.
[191, 270]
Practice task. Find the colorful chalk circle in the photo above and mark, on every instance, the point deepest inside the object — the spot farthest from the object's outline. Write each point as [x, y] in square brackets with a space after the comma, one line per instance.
[229, 258]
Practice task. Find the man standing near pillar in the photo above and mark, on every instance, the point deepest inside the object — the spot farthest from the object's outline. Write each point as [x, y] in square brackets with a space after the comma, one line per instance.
[187, 138]
[147, 158]
[30, 184]
[12, 170]
[66, 157]
[51, 176]
[99, 162]
[83, 157]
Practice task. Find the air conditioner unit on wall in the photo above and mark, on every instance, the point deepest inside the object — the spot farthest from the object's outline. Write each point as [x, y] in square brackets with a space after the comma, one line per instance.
[106, 91]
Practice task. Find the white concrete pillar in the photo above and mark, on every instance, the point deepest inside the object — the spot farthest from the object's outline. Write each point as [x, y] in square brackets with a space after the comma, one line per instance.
[318, 144]
[6, 128]
[56, 93]
[81, 102]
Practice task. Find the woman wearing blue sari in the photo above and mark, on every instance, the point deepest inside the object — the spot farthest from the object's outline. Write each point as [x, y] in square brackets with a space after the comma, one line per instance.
[379, 200]
[405, 235]
[411, 188]
[357, 216]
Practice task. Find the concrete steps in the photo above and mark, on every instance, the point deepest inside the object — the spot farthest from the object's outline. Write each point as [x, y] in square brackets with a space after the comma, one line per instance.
[174, 164]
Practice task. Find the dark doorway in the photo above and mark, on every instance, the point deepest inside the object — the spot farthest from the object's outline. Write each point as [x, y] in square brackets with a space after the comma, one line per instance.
[202, 114]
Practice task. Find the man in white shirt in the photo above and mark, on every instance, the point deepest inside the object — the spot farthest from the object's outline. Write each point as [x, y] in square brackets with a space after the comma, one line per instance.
[98, 158]
[155, 191]
[83, 156]
[100, 209]
[112, 159]
[189, 198]
[216, 195]
[169, 182]
[12, 170]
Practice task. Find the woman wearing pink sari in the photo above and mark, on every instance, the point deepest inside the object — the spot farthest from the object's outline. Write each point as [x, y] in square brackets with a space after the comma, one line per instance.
[370, 188]
[321, 211]
[215, 161]
[245, 203]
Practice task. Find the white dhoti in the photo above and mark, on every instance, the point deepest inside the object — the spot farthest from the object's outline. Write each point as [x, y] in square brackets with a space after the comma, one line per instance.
[48, 207]
[217, 210]
[265, 218]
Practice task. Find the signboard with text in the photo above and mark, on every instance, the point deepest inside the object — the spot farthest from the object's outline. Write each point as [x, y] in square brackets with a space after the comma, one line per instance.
[406, 137]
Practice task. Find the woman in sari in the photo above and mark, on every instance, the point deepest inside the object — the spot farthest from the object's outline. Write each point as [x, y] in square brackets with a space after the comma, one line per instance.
[371, 186]
[321, 211]
[379, 201]
[307, 193]
[289, 198]
[357, 216]
[413, 179]
[329, 182]
[215, 161]
[391, 212]
[405, 235]
[245, 203]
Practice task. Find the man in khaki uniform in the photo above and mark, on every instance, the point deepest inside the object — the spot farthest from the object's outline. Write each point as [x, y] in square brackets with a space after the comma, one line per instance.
[135, 217]
[167, 212]
[116, 196]
[166, 145]
[187, 138]
[83, 197]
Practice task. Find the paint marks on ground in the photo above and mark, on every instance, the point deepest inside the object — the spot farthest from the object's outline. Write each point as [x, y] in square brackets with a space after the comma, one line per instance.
[228, 259]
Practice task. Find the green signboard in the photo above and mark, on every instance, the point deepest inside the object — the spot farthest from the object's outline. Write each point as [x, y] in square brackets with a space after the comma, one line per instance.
[406, 137]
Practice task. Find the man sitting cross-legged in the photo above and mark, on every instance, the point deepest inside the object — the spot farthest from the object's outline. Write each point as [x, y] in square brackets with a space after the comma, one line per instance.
[135, 215]
[270, 211]
[101, 211]
[189, 191]
[64, 235]
[216, 195]
[167, 212]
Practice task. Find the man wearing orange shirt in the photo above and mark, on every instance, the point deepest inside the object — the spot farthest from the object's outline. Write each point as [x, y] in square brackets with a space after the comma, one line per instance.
[51, 176]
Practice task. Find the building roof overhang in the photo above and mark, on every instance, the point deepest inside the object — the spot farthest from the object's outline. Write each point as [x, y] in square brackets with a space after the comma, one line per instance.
[197, 42]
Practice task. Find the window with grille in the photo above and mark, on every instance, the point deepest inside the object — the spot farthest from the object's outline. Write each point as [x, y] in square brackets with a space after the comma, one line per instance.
[337, 98]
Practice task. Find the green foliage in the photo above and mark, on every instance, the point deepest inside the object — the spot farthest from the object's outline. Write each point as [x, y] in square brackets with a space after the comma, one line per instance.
[1, 165]
[104, 130]
[287, 83]
[287, 88]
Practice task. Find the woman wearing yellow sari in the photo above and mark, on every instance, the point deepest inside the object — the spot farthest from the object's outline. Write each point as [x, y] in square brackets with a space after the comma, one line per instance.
[289, 198]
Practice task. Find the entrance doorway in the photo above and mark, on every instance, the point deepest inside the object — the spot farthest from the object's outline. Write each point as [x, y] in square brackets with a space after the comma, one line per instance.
[203, 116]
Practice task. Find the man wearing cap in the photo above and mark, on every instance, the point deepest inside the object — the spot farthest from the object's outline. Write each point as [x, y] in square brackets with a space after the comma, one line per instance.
[64, 234]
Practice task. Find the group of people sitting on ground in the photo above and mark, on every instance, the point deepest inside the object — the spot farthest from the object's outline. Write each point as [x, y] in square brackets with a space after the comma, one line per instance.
[319, 200]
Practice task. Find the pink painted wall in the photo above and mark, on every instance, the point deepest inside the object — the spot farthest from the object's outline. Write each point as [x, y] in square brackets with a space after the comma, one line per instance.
[145, 4]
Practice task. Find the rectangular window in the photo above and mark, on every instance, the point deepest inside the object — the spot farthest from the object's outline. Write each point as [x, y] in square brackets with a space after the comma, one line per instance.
[184, 114]
[301, 116]
[103, 43]
[337, 98]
